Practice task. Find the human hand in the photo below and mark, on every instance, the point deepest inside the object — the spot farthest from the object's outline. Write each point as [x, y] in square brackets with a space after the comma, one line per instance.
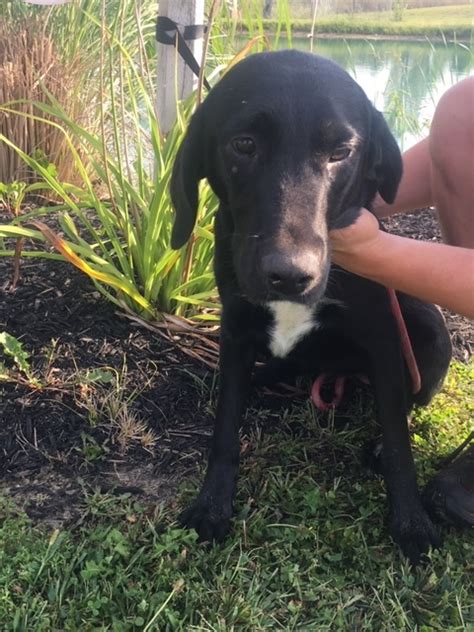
[359, 236]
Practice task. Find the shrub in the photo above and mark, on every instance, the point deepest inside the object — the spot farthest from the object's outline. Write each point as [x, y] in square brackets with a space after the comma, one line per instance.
[113, 220]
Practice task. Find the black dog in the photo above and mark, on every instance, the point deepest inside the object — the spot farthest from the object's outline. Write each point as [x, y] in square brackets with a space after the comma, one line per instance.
[292, 147]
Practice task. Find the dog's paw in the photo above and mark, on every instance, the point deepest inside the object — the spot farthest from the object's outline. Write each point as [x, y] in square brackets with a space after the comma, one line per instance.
[209, 518]
[414, 533]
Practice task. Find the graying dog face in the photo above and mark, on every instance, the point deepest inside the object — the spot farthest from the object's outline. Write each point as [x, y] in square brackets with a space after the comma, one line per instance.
[289, 142]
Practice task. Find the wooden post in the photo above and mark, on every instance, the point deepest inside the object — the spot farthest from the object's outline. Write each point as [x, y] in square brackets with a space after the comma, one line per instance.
[172, 88]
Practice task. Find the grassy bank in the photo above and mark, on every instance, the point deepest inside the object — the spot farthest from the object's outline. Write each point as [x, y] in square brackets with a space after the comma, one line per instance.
[454, 22]
[310, 550]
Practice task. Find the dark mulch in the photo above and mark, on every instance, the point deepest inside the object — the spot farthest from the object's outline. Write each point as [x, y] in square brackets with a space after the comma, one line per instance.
[45, 436]
[423, 225]
[51, 451]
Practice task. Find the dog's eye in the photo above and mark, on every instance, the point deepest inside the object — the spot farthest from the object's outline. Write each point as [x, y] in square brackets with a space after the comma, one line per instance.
[339, 154]
[244, 145]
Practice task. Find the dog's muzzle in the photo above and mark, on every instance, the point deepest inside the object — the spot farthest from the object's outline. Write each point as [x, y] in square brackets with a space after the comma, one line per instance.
[289, 276]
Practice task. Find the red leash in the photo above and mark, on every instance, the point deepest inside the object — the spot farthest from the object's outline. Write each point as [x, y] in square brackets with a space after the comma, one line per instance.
[317, 398]
[407, 348]
[407, 351]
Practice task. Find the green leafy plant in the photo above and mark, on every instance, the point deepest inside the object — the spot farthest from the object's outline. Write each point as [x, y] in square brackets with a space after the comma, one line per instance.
[116, 225]
[13, 348]
[12, 195]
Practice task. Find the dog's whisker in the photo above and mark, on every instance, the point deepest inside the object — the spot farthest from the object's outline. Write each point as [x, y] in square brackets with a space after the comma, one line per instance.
[244, 235]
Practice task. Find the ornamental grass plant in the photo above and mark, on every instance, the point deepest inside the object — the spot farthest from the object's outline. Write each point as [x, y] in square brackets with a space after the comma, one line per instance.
[29, 64]
[112, 217]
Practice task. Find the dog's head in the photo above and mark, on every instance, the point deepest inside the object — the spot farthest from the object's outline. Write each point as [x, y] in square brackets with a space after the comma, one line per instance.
[288, 142]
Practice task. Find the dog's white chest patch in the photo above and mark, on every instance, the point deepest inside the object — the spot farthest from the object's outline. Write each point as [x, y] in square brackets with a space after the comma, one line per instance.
[292, 322]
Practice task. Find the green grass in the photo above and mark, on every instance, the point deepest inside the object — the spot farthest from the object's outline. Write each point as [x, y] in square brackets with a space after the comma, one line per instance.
[452, 22]
[310, 550]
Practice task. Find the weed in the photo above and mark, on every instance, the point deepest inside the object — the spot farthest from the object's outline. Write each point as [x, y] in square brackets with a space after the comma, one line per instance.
[13, 348]
[105, 397]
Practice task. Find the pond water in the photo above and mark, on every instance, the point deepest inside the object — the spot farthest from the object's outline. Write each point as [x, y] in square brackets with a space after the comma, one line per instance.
[404, 79]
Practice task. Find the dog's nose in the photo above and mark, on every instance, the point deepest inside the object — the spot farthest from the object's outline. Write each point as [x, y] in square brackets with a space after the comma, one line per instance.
[287, 275]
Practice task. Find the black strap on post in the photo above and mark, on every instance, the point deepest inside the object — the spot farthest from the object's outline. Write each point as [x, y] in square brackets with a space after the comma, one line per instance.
[170, 33]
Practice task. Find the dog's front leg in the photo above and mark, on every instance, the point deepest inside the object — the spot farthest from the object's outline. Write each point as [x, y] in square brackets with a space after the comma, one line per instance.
[211, 511]
[410, 526]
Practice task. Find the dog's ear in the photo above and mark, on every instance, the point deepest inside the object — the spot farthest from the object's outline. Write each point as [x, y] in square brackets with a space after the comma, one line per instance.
[188, 169]
[385, 160]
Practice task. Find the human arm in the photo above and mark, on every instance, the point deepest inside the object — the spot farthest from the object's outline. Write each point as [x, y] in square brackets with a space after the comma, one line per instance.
[433, 272]
[414, 191]
[438, 171]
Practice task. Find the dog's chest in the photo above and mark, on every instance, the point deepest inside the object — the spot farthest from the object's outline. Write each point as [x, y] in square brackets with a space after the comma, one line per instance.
[291, 322]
